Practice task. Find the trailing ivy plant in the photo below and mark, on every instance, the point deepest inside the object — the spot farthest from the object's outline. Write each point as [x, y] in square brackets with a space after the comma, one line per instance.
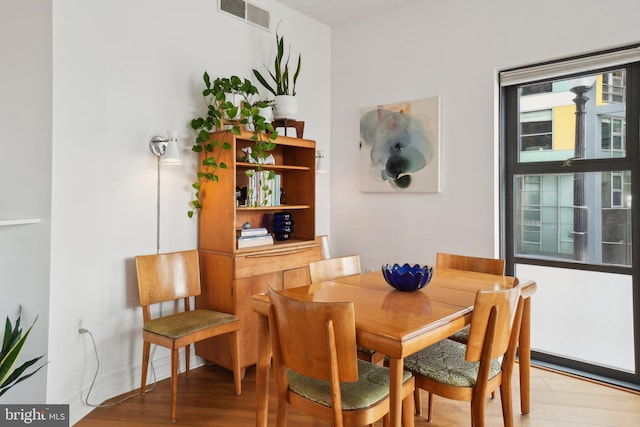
[219, 109]
[12, 345]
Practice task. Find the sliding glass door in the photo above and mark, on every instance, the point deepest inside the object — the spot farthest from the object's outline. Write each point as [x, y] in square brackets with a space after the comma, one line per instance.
[569, 136]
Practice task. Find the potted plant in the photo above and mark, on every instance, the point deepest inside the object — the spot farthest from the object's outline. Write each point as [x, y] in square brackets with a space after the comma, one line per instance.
[284, 90]
[12, 345]
[219, 110]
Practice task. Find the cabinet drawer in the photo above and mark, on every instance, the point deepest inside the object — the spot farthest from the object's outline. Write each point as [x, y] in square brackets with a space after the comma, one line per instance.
[272, 260]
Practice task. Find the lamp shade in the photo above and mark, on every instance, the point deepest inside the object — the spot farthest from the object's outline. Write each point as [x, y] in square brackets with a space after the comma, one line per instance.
[171, 154]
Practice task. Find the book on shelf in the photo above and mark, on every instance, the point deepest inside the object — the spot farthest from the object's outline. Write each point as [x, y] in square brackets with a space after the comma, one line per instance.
[262, 191]
[250, 241]
[245, 232]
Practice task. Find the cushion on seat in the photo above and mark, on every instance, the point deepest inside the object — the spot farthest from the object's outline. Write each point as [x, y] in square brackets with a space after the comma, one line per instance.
[461, 336]
[372, 386]
[181, 324]
[444, 362]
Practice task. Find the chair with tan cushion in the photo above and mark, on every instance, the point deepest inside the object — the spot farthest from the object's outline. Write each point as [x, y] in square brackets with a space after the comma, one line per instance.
[468, 372]
[172, 277]
[327, 380]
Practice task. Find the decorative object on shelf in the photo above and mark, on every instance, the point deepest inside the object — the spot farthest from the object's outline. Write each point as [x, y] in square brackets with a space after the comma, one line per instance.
[249, 237]
[286, 123]
[407, 278]
[282, 225]
[12, 345]
[286, 104]
[215, 96]
[400, 147]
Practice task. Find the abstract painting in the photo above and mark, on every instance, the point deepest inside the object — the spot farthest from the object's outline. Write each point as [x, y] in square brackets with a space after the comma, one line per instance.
[400, 147]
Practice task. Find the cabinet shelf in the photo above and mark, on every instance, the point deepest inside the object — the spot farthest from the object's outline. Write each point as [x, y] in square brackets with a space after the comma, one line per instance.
[245, 165]
[272, 208]
[7, 222]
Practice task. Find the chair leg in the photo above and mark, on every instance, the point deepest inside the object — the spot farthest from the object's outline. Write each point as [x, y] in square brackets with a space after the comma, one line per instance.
[477, 413]
[430, 407]
[507, 403]
[174, 383]
[235, 361]
[417, 403]
[408, 411]
[187, 359]
[146, 348]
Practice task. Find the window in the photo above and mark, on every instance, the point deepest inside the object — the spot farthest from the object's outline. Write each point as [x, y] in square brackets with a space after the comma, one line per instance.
[536, 130]
[613, 86]
[570, 133]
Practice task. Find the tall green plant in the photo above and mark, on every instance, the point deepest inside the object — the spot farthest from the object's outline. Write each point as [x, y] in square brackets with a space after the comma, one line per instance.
[280, 73]
[218, 108]
[12, 345]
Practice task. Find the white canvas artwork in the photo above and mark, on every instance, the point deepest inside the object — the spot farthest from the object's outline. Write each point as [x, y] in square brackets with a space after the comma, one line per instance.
[400, 147]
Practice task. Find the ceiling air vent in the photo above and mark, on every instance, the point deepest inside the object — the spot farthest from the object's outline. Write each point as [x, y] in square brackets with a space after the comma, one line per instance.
[247, 12]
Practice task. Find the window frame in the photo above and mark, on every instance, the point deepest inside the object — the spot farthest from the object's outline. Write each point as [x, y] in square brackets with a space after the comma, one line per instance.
[510, 166]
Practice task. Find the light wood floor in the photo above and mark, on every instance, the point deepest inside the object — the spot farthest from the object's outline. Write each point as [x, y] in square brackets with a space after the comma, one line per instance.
[207, 399]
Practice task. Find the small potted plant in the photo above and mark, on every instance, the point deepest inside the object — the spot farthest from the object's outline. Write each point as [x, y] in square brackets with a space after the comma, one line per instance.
[12, 345]
[283, 88]
[219, 110]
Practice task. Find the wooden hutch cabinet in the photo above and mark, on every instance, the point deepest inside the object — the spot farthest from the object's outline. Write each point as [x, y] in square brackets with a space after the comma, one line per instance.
[231, 275]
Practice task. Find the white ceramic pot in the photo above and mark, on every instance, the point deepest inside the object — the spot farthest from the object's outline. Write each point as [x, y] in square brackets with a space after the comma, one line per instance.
[285, 107]
[267, 113]
[235, 99]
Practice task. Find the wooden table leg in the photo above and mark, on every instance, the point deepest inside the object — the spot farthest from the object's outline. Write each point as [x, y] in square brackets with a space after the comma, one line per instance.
[262, 371]
[396, 367]
[524, 358]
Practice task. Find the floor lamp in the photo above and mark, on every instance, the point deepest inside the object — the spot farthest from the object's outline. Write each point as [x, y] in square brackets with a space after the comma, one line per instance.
[167, 152]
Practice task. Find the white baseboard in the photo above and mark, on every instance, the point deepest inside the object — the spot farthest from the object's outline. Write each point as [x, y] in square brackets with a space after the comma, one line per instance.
[118, 383]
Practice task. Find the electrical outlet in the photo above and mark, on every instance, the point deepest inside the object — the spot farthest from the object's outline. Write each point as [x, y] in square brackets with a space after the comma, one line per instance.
[369, 269]
[81, 330]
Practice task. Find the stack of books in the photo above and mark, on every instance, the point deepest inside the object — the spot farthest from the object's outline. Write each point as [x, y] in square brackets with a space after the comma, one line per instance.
[249, 237]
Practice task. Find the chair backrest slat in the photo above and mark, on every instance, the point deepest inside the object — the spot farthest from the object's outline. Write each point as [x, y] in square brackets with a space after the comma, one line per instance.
[505, 302]
[168, 276]
[332, 268]
[470, 263]
[301, 328]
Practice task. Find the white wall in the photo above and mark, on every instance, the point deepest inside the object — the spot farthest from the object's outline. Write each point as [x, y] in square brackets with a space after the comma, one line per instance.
[25, 180]
[123, 72]
[451, 49]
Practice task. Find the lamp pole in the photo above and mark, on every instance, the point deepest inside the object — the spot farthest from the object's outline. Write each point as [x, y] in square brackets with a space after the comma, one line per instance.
[579, 205]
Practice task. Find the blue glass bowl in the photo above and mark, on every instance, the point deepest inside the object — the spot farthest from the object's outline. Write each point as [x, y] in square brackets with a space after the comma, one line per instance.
[407, 278]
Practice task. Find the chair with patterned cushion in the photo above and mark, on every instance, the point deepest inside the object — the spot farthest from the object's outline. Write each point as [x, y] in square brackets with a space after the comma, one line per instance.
[469, 263]
[327, 380]
[332, 268]
[172, 277]
[468, 372]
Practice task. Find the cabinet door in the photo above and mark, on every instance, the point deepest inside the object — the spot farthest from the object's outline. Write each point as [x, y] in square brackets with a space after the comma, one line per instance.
[217, 349]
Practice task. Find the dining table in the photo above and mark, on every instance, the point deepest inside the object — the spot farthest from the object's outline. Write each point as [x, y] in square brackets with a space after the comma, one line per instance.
[398, 324]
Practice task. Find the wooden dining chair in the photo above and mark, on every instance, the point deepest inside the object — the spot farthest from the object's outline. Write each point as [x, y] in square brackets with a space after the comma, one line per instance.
[172, 277]
[468, 372]
[327, 380]
[333, 268]
[469, 263]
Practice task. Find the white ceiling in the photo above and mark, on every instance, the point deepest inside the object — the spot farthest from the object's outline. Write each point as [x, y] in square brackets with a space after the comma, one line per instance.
[336, 12]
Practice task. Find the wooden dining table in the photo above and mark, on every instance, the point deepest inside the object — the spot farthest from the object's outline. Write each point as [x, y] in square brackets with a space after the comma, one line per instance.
[399, 323]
